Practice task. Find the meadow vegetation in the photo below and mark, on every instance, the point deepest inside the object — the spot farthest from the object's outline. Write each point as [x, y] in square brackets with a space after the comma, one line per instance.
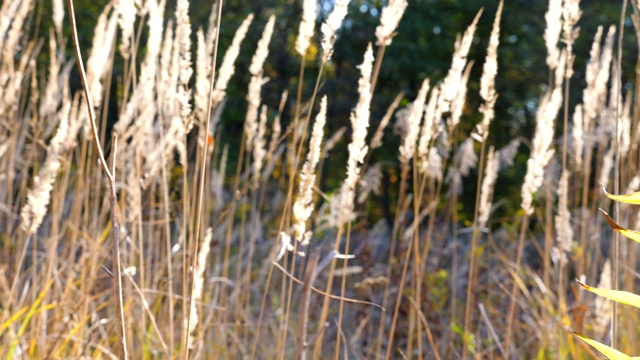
[144, 231]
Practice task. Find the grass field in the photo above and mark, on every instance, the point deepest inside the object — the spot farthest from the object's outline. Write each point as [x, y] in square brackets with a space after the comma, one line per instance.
[144, 239]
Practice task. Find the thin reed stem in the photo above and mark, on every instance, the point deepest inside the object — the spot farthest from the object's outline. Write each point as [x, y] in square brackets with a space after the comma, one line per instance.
[297, 158]
[401, 208]
[378, 65]
[472, 257]
[407, 255]
[203, 171]
[616, 181]
[113, 198]
[343, 287]
[524, 225]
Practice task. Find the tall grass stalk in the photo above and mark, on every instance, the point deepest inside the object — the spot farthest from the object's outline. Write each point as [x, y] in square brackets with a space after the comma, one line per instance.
[616, 181]
[570, 15]
[488, 94]
[113, 199]
[541, 153]
[329, 30]
[201, 193]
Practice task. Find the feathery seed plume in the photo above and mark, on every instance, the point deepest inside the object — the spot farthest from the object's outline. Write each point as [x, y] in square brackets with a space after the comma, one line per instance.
[488, 78]
[464, 160]
[126, 19]
[577, 132]
[331, 26]
[203, 71]
[370, 182]
[307, 25]
[255, 84]
[258, 147]
[262, 51]
[58, 16]
[342, 207]
[198, 284]
[276, 128]
[564, 232]
[553, 18]
[467, 158]
[303, 206]
[8, 11]
[183, 38]
[143, 98]
[457, 105]
[9, 39]
[432, 167]
[597, 76]
[624, 127]
[52, 95]
[508, 153]
[602, 304]
[431, 118]
[103, 41]
[39, 195]
[217, 180]
[542, 145]
[164, 93]
[633, 186]
[226, 68]
[570, 15]
[408, 146]
[606, 167]
[451, 84]
[389, 20]
[488, 184]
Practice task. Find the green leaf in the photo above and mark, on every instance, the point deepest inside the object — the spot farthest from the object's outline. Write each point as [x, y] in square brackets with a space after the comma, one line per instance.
[631, 234]
[607, 351]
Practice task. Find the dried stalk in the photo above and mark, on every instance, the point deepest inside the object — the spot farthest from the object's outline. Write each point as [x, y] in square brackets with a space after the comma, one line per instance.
[115, 231]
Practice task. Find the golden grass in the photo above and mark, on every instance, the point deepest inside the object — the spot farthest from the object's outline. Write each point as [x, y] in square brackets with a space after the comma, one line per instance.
[213, 263]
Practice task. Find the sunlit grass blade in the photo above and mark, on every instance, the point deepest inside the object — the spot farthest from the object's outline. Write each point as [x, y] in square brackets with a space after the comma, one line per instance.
[631, 234]
[622, 297]
[633, 198]
[32, 311]
[607, 351]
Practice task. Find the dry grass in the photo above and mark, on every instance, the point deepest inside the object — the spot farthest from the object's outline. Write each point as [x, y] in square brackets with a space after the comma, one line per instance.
[214, 262]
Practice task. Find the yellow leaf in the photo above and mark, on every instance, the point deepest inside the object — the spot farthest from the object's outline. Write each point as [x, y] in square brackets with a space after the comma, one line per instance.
[607, 351]
[631, 234]
[622, 297]
[633, 198]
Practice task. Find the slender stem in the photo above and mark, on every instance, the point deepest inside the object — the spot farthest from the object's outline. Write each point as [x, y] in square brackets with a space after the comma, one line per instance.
[472, 256]
[203, 173]
[110, 174]
[405, 171]
[87, 94]
[514, 290]
[376, 71]
[400, 206]
[167, 230]
[336, 354]
[301, 343]
[616, 182]
[117, 266]
[565, 145]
